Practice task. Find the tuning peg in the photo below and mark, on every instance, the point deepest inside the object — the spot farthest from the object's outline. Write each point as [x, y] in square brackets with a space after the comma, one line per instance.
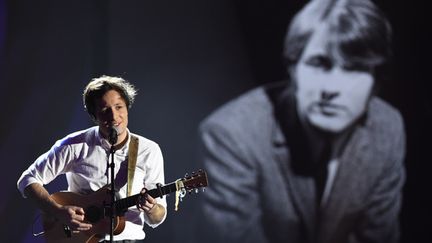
[196, 190]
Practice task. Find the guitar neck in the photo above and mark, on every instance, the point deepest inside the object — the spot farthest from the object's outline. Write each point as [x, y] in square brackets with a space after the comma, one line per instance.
[127, 202]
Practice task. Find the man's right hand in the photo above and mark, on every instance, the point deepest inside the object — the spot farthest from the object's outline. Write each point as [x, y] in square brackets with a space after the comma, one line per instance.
[73, 217]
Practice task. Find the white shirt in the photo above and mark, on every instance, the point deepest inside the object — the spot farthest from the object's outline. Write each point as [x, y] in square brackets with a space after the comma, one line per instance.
[83, 156]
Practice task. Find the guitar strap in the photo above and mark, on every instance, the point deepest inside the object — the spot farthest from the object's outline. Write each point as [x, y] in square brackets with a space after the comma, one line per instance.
[132, 158]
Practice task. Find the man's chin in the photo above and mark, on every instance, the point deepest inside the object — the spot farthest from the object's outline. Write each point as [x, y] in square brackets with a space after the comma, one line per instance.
[105, 131]
[328, 126]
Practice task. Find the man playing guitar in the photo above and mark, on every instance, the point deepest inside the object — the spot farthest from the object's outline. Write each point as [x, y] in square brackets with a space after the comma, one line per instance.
[83, 156]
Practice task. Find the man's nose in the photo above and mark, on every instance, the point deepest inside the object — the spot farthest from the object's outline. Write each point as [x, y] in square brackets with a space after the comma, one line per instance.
[328, 95]
[112, 114]
[331, 86]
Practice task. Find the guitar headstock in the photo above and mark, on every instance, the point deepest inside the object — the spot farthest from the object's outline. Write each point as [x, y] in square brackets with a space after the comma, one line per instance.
[195, 180]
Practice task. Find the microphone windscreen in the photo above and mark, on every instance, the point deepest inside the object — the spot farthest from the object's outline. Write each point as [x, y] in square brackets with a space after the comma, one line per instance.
[113, 135]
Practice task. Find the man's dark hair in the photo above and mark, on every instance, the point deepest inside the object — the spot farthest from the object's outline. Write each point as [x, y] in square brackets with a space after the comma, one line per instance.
[99, 86]
[358, 33]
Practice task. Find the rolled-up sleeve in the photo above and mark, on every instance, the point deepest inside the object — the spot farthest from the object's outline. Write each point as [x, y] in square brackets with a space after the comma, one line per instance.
[45, 168]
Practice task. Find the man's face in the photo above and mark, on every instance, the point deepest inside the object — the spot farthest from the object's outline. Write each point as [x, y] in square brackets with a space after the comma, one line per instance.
[330, 97]
[111, 110]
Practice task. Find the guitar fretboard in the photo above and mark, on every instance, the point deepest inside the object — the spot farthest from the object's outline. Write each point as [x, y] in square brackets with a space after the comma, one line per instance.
[127, 202]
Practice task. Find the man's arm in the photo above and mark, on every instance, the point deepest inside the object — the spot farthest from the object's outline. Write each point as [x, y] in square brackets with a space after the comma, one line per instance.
[70, 215]
[42, 172]
[232, 204]
[154, 211]
[154, 208]
[380, 221]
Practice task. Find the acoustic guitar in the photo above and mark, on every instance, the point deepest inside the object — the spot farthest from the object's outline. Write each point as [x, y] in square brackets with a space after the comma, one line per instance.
[98, 211]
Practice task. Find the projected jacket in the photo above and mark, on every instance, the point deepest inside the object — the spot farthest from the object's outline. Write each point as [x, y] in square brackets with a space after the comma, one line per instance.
[259, 190]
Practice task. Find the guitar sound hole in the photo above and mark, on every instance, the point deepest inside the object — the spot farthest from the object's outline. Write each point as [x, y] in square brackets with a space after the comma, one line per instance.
[93, 214]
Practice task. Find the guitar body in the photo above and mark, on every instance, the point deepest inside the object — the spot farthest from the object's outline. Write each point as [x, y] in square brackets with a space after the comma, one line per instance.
[93, 205]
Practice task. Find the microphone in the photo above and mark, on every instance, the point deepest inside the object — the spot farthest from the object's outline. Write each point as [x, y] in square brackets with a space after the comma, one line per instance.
[113, 135]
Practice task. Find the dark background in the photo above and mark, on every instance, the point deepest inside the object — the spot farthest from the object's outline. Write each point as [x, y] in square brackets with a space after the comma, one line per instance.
[186, 58]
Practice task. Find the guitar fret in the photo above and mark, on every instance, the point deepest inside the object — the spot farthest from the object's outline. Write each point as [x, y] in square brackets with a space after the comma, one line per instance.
[199, 181]
[127, 202]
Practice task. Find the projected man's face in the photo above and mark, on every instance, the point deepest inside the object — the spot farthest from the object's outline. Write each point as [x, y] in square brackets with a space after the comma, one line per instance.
[330, 97]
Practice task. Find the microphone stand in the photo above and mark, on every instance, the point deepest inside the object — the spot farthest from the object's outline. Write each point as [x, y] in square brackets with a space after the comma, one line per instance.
[112, 192]
[113, 137]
